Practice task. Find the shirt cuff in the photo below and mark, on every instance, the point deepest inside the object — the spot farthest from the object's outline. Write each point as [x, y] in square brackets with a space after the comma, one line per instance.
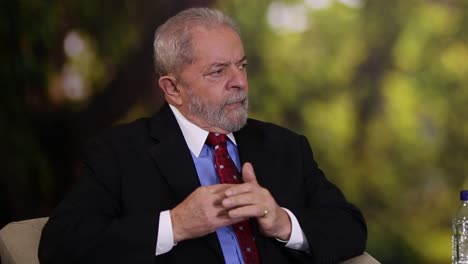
[165, 240]
[297, 240]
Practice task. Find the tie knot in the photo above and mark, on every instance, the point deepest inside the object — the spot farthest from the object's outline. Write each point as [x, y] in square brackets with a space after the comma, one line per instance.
[215, 139]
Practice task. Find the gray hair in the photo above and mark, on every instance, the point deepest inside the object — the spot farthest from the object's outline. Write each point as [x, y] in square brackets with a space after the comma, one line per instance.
[173, 40]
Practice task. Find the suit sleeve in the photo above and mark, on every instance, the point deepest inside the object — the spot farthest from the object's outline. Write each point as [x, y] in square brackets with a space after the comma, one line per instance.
[90, 225]
[334, 228]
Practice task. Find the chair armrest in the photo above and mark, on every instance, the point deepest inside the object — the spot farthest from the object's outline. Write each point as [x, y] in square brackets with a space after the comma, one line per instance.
[362, 259]
[19, 241]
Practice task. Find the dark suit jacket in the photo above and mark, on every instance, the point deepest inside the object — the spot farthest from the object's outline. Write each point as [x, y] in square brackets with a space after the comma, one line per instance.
[133, 172]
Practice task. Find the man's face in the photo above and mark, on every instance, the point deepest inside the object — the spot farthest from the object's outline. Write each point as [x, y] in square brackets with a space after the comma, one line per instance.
[214, 86]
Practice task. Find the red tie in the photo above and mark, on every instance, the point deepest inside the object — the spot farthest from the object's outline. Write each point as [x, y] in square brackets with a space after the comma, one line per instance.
[227, 173]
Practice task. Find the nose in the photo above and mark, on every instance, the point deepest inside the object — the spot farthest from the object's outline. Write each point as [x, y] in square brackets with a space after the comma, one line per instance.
[238, 78]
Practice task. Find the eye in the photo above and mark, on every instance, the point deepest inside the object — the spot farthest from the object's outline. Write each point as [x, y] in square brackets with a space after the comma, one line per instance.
[217, 72]
[243, 66]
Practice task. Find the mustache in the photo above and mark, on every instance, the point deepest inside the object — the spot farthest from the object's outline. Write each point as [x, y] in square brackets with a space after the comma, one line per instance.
[236, 98]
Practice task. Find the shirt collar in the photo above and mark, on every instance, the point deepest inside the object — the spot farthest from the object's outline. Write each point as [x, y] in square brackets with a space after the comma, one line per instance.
[195, 137]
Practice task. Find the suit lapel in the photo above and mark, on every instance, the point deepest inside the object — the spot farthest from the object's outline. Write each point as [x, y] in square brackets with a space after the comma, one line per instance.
[172, 156]
[252, 147]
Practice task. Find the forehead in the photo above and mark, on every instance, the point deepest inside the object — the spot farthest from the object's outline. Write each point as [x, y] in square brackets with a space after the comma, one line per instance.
[219, 43]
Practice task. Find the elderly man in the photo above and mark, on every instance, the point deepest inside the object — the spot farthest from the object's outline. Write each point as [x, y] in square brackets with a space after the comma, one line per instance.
[199, 182]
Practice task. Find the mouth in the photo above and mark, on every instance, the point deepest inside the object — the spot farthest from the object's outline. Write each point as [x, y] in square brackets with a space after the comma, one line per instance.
[235, 105]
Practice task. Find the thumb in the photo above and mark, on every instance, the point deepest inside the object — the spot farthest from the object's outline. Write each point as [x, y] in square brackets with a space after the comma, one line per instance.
[248, 174]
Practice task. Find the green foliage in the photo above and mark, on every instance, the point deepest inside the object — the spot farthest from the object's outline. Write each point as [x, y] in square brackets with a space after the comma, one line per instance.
[380, 89]
[59, 60]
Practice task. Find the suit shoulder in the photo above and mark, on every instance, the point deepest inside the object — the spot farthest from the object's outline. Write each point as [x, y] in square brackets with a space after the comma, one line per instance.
[125, 134]
[271, 129]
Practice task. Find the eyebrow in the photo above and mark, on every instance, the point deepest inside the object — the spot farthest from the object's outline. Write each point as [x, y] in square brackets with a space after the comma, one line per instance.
[224, 64]
[243, 59]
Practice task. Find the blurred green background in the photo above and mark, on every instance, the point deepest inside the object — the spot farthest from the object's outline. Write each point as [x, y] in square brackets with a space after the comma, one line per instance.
[379, 87]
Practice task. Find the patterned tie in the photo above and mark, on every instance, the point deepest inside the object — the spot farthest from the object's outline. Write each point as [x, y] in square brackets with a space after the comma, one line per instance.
[227, 173]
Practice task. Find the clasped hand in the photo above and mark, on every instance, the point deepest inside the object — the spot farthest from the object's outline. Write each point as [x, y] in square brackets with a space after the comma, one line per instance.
[211, 207]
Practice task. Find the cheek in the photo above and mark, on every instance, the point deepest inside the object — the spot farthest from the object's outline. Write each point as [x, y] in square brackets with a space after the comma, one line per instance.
[215, 98]
[185, 96]
[214, 94]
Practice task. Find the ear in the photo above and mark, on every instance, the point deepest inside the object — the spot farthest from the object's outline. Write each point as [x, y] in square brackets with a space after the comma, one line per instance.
[171, 92]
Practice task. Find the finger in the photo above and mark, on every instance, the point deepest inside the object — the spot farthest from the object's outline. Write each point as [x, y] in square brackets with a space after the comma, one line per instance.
[224, 219]
[237, 189]
[249, 211]
[241, 200]
[217, 199]
[219, 188]
[213, 194]
[248, 173]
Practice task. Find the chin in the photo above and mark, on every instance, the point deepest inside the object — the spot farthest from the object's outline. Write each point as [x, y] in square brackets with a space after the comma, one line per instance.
[238, 123]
